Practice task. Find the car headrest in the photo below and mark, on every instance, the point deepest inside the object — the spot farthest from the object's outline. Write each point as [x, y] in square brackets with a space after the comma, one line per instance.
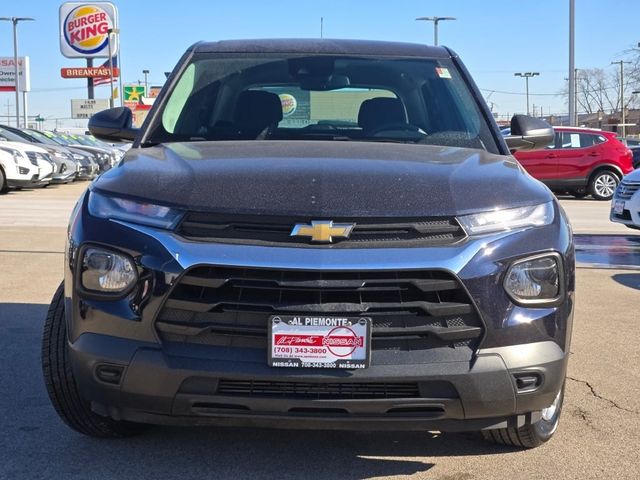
[380, 111]
[257, 110]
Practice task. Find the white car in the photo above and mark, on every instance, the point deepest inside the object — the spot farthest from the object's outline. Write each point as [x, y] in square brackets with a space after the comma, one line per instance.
[23, 165]
[625, 205]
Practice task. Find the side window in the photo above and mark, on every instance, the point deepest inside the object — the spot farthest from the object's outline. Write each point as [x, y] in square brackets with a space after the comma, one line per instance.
[587, 140]
[556, 141]
[569, 140]
[597, 140]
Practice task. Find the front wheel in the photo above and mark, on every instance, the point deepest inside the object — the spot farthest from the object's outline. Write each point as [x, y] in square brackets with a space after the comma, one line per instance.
[61, 385]
[3, 182]
[533, 434]
[603, 185]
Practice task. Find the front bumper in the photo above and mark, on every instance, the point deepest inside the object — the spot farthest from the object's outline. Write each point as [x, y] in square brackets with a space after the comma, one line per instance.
[182, 387]
[33, 182]
[169, 382]
[631, 213]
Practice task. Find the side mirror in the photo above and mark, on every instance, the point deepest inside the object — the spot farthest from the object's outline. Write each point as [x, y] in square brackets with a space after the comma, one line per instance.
[114, 124]
[529, 133]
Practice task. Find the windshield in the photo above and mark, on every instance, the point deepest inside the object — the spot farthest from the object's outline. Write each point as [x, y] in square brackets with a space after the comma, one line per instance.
[57, 138]
[250, 97]
[41, 137]
[14, 137]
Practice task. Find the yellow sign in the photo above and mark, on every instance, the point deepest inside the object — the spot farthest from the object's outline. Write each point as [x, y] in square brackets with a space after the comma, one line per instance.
[133, 93]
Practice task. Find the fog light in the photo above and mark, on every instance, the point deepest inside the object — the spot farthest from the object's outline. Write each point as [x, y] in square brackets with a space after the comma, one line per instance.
[106, 271]
[534, 280]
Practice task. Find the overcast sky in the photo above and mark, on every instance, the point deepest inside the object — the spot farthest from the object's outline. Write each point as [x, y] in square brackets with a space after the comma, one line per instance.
[494, 39]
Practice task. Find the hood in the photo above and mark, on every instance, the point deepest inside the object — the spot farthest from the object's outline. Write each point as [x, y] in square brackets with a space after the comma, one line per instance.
[633, 176]
[323, 179]
[23, 147]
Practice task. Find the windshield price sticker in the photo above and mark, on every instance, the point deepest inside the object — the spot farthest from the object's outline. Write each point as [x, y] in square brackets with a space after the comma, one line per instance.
[319, 342]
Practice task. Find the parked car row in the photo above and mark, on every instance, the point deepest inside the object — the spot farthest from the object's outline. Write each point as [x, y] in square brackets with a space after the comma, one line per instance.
[32, 158]
[580, 162]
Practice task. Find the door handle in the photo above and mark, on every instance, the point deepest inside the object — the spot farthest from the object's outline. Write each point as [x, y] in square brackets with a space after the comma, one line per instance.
[594, 154]
[551, 155]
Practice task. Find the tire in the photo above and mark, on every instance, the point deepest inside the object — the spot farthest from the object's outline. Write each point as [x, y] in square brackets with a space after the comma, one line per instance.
[603, 185]
[61, 386]
[530, 435]
[3, 182]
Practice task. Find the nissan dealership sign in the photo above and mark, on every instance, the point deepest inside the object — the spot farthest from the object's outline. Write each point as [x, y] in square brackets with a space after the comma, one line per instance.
[84, 29]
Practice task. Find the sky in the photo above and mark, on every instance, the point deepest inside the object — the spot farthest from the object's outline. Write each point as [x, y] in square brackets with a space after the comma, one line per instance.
[493, 38]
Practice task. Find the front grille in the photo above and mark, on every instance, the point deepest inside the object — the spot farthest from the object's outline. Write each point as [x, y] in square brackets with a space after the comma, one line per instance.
[626, 189]
[230, 307]
[33, 158]
[320, 391]
[276, 230]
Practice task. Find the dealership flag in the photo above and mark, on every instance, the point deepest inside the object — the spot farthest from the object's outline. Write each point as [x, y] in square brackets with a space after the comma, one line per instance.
[104, 80]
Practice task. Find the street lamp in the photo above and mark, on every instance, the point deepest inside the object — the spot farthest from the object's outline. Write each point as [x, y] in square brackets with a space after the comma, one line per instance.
[15, 21]
[435, 21]
[109, 32]
[527, 76]
[146, 82]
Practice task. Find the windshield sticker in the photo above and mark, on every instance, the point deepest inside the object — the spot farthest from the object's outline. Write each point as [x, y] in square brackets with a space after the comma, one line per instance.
[443, 72]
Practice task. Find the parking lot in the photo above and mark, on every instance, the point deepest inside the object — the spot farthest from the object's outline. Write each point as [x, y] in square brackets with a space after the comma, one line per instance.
[598, 436]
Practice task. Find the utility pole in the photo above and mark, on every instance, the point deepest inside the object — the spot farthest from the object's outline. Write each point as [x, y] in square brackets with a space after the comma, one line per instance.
[146, 83]
[321, 27]
[435, 21]
[622, 106]
[526, 76]
[15, 21]
[572, 62]
[576, 118]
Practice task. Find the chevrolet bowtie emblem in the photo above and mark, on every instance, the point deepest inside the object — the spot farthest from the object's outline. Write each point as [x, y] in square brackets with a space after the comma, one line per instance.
[323, 231]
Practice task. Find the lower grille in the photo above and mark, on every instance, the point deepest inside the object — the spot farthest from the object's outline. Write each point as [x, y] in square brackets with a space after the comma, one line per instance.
[230, 307]
[260, 388]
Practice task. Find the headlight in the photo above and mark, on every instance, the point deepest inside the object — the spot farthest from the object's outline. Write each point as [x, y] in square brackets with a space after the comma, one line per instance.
[535, 279]
[17, 156]
[508, 219]
[59, 155]
[77, 156]
[103, 206]
[106, 271]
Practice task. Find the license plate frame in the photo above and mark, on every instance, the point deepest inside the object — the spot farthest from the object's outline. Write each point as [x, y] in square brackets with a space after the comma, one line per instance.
[319, 342]
[618, 207]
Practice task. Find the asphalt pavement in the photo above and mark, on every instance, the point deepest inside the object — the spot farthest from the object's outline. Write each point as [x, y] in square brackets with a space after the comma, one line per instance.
[598, 436]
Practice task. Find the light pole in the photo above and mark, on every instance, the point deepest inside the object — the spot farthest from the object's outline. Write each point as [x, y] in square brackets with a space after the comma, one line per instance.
[527, 76]
[109, 32]
[146, 82]
[15, 21]
[573, 116]
[435, 21]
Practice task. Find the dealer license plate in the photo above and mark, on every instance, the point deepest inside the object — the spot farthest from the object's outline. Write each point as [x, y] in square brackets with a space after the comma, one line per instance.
[319, 342]
[618, 207]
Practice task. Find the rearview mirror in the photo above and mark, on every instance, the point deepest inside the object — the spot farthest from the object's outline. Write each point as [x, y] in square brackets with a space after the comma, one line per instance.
[529, 133]
[114, 124]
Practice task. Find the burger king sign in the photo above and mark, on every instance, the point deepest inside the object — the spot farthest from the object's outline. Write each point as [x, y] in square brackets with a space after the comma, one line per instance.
[84, 29]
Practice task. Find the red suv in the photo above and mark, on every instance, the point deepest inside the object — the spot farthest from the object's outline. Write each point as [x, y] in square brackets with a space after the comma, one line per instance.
[582, 161]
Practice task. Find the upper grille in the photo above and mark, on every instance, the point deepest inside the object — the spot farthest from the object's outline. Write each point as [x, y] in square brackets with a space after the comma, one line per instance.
[33, 158]
[626, 189]
[410, 310]
[274, 230]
